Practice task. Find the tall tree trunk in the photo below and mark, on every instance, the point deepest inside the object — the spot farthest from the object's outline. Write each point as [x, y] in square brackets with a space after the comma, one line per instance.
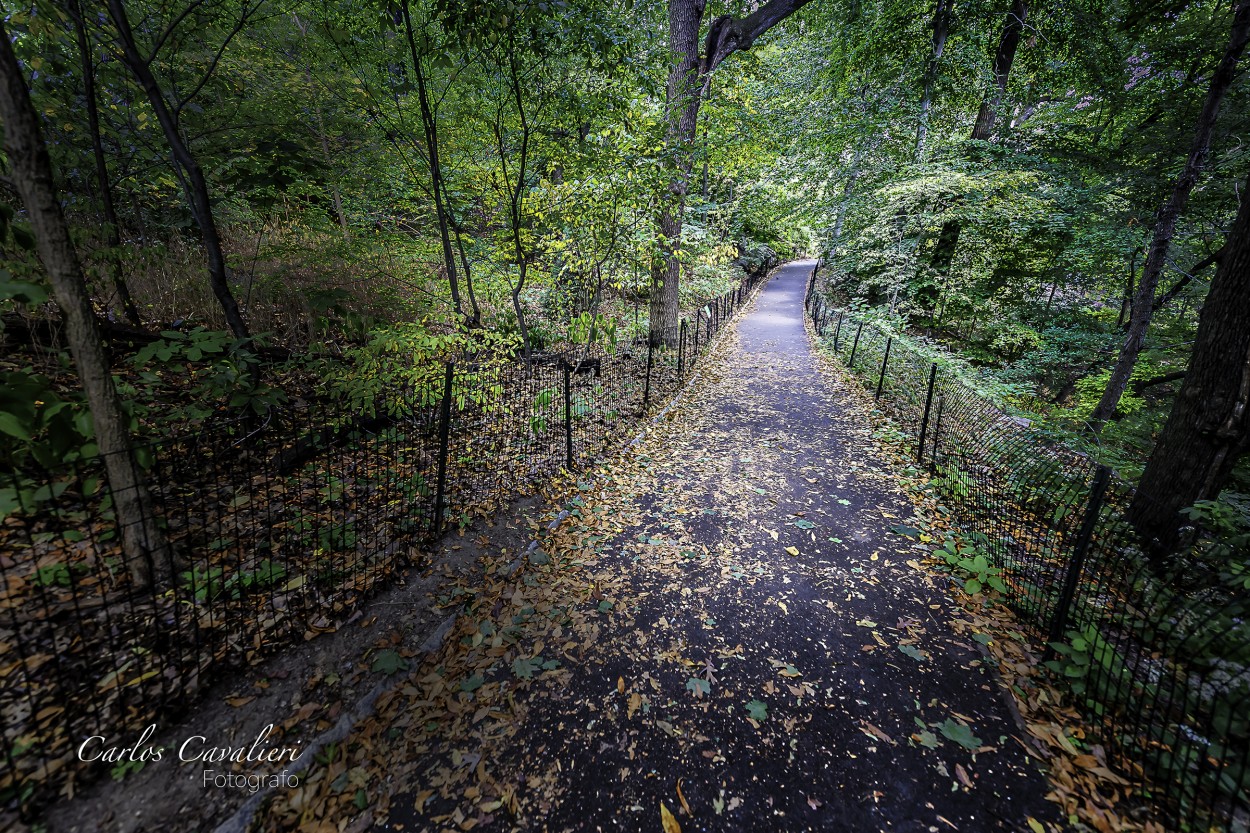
[429, 124]
[848, 190]
[147, 551]
[941, 25]
[682, 95]
[1013, 26]
[1169, 214]
[688, 76]
[187, 168]
[112, 228]
[1209, 426]
[516, 193]
[982, 129]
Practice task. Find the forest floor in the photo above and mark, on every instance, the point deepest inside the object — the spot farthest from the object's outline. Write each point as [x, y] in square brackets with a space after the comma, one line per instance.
[728, 629]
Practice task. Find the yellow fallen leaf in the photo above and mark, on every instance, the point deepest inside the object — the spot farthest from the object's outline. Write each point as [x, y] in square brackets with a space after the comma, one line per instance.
[668, 821]
[620, 685]
[792, 550]
[1035, 825]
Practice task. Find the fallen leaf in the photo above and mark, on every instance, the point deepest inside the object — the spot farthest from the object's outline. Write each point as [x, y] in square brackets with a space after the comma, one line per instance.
[682, 799]
[668, 821]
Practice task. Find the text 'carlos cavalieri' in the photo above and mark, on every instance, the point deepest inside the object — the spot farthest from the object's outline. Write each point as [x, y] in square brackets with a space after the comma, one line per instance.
[197, 748]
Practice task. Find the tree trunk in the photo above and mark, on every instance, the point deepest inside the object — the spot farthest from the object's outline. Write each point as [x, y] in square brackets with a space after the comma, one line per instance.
[1004, 57]
[112, 228]
[147, 551]
[1209, 426]
[848, 190]
[688, 76]
[941, 28]
[1165, 223]
[429, 125]
[187, 168]
[682, 94]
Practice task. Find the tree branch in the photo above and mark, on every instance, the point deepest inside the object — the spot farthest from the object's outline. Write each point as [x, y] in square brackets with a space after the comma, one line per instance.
[1180, 285]
[1142, 384]
[728, 34]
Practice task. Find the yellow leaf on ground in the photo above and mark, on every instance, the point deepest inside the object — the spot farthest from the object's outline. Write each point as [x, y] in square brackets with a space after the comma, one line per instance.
[792, 550]
[668, 821]
[1036, 826]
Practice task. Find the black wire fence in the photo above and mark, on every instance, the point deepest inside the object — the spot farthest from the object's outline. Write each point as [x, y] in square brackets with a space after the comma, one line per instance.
[278, 528]
[1156, 650]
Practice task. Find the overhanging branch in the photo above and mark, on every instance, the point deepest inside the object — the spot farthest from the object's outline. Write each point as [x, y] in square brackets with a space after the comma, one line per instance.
[728, 35]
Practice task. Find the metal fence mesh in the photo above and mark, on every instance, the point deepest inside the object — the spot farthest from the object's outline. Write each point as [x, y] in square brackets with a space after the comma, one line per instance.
[1158, 650]
[279, 527]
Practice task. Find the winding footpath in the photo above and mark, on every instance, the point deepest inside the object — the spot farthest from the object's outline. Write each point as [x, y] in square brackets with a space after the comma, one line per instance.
[726, 626]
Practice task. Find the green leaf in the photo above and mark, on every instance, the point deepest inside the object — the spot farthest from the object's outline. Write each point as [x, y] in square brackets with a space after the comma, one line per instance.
[698, 686]
[928, 740]
[388, 662]
[803, 524]
[912, 652]
[757, 710]
[11, 425]
[906, 531]
[972, 587]
[960, 733]
[523, 668]
[473, 683]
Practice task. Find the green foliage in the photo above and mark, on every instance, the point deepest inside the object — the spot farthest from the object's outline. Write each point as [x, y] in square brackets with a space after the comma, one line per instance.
[1084, 652]
[213, 370]
[1226, 520]
[38, 426]
[973, 562]
[209, 583]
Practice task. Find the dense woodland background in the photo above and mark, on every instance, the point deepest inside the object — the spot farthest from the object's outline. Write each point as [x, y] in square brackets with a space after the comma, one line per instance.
[264, 197]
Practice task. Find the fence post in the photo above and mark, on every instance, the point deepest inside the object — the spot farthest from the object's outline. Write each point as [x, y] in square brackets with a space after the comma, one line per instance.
[1076, 566]
[698, 315]
[937, 433]
[838, 331]
[681, 349]
[444, 433]
[646, 391]
[854, 347]
[924, 421]
[885, 361]
[568, 418]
